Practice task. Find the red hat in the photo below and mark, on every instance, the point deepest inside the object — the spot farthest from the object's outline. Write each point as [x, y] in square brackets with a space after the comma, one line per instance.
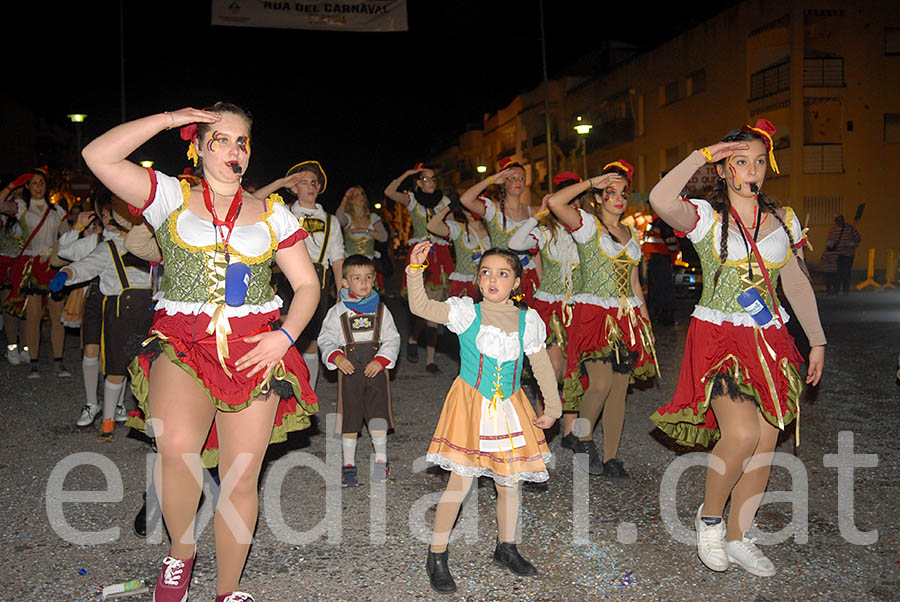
[507, 162]
[566, 176]
[43, 170]
[765, 129]
[622, 164]
[419, 165]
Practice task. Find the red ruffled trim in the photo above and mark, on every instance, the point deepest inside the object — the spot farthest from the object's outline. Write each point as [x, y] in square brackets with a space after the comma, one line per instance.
[385, 362]
[592, 333]
[580, 223]
[681, 234]
[291, 240]
[461, 288]
[483, 200]
[334, 355]
[134, 210]
[709, 346]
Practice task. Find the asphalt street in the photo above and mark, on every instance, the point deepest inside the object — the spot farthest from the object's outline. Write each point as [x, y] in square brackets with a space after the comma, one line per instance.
[589, 539]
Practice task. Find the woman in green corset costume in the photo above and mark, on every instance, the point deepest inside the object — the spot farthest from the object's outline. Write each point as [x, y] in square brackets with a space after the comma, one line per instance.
[416, 189]
[504, 212]
[611, 343]
[544, 234]
[470, 241]
[362, 226]
[747, 373]
[219, 374]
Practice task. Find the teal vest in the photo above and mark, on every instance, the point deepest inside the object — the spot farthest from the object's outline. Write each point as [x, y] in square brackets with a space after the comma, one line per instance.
[484, 373]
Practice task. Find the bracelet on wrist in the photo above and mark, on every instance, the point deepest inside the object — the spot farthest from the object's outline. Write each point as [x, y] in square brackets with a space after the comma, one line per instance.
[490, 179]
[288, 335]
[542, 213]
[418, 267]
[707, 154]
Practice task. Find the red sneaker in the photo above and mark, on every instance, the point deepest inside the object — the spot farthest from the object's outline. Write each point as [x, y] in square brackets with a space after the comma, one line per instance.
[235, 597]
[174, 580]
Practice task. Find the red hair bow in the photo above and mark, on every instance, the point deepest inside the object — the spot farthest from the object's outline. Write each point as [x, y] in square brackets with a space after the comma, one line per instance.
[189, 132]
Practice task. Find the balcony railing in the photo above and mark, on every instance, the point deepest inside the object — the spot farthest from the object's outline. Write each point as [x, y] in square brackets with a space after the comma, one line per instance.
[823, 158]
[770, 80]
[827, 72]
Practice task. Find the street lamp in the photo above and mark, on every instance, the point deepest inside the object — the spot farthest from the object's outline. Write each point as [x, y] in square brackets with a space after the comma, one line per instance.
[583, 128]
[481, 169]
[148, 164]
[77, 119]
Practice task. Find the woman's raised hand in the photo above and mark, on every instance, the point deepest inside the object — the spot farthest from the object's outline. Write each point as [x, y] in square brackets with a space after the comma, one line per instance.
[419, 253]
[544, 205]
[190, 115]
[722, 150]
[607, 179]
[502, 175]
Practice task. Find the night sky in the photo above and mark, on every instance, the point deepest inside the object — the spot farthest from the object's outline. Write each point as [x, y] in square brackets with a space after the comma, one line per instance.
[367, 105]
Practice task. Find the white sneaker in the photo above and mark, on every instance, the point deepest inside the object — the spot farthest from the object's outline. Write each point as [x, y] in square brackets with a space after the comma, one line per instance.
[746, 554]
[33, 372]
[24, 354]
[88, 415]
[711, 543]
[60, 370]
[121, 413]
[12, 355]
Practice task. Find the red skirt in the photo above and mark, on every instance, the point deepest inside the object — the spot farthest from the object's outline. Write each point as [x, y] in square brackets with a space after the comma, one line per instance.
[199, 359]
[440, 266]
[6, 264]
[732, 360]
[598, 333]
[461, 288]
[28, 275]
[530, 282]
[554, 317]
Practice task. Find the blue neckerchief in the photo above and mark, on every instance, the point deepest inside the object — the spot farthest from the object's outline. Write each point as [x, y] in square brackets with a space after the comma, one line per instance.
[360, 306]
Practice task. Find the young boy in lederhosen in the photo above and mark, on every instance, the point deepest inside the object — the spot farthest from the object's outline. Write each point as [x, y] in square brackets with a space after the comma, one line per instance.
[359, 339]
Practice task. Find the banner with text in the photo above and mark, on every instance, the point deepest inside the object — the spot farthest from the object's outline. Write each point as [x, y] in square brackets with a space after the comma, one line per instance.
[351, 15]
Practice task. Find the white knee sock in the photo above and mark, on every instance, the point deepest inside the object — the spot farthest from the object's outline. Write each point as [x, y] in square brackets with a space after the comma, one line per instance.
[122, 393]
[349, 447]
[380, 445]
[312, 362]
[90, 367]
[110, 399]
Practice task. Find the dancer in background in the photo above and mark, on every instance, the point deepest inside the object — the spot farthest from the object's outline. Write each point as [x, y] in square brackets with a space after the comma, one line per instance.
[544, 234]
[470, 240]
[739, 363]
[504, 213]
[217, 371]
[30, 274]
[613, 342]
[324, 243]
[362, 227]
[416, 189]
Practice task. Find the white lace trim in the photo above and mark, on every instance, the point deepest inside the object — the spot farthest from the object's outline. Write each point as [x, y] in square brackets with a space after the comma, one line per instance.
[196, 308]
[482, 471]
[502, 346]
[607, 302]
[548, 297]
[462, 313]
[739, 318]
[462, 277]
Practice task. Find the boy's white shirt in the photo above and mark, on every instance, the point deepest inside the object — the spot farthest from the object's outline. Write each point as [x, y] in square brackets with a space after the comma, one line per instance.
[331, 336]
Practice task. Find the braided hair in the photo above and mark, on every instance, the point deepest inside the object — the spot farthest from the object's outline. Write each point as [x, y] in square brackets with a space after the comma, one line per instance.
[458, 211]
[718, 200]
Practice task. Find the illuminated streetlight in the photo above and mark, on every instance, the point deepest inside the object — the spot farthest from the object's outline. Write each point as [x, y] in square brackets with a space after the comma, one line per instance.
[377, 205]
[481, 169]
[583, 128]
[147, 163]
[77, 117]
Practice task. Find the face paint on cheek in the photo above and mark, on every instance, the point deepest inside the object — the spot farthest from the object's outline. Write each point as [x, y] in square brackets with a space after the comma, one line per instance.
[212, 145]
[243, 143]
[737, 179]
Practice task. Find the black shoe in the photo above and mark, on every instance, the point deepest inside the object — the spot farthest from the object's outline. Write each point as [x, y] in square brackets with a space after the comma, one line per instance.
[432, 368]
[613, 469]
[412, 353]
[592, 463]
[569, 441]
[439, 572]
[140, 520]
[507, 556]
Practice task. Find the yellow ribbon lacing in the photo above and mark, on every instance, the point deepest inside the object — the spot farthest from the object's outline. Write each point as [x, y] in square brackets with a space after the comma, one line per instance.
[622, 272]
[495, 401]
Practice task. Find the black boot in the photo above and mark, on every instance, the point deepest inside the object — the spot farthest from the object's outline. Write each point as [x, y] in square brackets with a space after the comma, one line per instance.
[439, 573]
[140, 520]
[591, 464]
[507, 556]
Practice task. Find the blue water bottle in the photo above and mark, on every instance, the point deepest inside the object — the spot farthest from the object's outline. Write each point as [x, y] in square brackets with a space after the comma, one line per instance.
[237, 279]
[753, 302]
